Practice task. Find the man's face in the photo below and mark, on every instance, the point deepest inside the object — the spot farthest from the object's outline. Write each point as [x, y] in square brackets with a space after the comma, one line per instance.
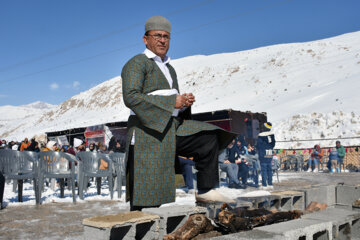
[158, 42]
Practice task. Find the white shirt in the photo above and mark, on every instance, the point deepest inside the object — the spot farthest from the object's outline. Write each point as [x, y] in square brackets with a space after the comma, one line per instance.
[161, 64]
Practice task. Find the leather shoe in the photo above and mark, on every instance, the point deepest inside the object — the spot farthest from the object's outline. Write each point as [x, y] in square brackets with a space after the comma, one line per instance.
[213, 196]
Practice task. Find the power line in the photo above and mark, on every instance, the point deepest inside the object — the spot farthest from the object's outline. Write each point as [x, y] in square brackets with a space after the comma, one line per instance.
[319, 139]
[95, 39]
[123, 48]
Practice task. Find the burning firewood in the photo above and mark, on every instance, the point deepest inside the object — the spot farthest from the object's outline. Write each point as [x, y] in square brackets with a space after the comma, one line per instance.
[196, 224]
[239, 219]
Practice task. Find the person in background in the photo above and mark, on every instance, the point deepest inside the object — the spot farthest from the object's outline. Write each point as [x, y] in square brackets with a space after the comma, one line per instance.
[231, 168]
[118, 147]
[186, 165]
[254, 165]
[316, 157]
[265, 146]
[112, 144]
[103, 149]
[50, 146]
[3, 144]
[34, 146]
[25, 144]
[251, 149]
[92, 147]
[341, 153]
[333, 159]
[79, 146]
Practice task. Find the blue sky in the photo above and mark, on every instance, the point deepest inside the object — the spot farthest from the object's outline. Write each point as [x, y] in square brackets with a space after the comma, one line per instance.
[53, 50]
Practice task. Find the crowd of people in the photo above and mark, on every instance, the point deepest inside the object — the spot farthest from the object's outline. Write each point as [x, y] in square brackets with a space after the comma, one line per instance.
[77, 146]
[336, 158]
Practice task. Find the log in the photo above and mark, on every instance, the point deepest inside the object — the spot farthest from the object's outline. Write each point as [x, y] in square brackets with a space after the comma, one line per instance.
[275, 218]
[314, 207]
[239, 219]
[196, 224]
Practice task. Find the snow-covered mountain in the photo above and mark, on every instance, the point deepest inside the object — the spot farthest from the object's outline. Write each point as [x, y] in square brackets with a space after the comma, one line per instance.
[309, 90]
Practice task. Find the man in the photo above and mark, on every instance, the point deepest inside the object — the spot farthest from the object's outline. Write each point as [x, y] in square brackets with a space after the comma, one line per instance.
[341, 153]
[230, 168]
[265, 146]
[158, 128]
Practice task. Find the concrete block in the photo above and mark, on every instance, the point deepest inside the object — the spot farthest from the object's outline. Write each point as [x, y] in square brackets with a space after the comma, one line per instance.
[129, 225]
[173, 217]
[320, 194]
[251, 235]
[346, 194]
[267, 202]
[301, 229]
[345, 222]
[290, 200]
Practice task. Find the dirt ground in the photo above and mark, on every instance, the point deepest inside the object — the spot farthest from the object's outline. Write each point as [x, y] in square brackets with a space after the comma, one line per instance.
[64, 220]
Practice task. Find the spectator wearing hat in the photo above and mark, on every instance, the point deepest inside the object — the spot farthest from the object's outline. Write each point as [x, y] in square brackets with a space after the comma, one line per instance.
[265, 146]
[79, 146]
[50, 146]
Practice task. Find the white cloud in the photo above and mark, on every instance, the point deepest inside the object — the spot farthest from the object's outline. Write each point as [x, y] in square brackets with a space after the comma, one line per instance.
[76, 84]
[54, 86]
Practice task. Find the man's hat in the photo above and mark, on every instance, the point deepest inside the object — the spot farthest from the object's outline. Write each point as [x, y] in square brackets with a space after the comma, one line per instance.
[50, 144]
[268, 125]
[158, 23]
[77, 142]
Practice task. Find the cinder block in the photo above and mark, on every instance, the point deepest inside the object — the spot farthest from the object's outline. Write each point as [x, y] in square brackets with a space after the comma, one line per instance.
[290, 200]
[173, 217]
[345, 222]
[251, 235]
[131, 225]
[301, 229]
[320, 194]
[267, 202]
[347, 194]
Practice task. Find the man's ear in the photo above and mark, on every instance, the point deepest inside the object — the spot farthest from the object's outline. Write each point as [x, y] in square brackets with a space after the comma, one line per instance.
[145, 39]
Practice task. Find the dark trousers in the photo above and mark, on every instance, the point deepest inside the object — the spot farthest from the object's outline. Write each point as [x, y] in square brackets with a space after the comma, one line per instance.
[266, 173]
[186, 168]
[2, 186]
[204, 147]
[243, 172]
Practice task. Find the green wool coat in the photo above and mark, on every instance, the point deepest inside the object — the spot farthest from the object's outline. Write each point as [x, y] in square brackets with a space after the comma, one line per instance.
[155, 131]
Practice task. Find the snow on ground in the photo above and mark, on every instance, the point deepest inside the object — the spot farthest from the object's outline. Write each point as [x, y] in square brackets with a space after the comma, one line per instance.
[182, 198]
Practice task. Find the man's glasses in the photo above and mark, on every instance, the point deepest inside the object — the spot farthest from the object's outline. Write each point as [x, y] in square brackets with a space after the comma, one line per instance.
[158, 37]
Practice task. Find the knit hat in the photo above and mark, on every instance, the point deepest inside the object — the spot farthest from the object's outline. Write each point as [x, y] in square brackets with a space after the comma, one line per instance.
[77, 142]
[50, 144]
[158, 23]
[268, 125]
